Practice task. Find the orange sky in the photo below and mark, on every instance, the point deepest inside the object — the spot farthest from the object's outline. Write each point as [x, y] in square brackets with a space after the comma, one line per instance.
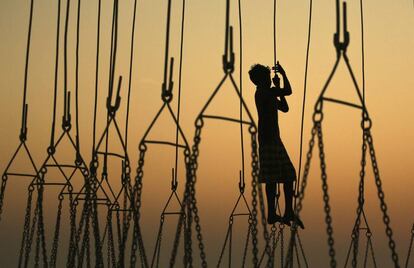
[389, 39]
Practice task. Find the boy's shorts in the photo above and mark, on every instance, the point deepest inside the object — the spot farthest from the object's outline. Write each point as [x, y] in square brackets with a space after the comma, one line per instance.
[275, 165]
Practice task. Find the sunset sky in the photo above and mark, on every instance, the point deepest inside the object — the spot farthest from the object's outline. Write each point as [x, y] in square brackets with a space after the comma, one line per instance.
[389, 65]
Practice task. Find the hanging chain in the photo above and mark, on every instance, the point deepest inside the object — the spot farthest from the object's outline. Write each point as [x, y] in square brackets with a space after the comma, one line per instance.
[137, 242]
[57, 232]
[192, 199]
[381, 196]
[327, 208]
[111, 245]
[4, 179]
[410, 247]
[41, 228]
[255, 175]
[26, 226]
[361, 199]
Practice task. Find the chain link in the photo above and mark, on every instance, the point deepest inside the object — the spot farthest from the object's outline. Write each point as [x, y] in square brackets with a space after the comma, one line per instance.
[360, 209]
[26, 227]
[255, 175]
[137, 242]
[192, 199]
[4, 179]
[301, 194]
[381, 196]
[57, 232]
[410, 247]
[327, 208]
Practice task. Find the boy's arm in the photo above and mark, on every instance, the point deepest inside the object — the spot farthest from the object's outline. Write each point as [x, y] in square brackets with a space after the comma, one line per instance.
[287, 89]
[282, 104]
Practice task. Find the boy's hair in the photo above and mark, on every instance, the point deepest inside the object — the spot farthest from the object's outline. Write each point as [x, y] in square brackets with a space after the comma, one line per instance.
[259, 73]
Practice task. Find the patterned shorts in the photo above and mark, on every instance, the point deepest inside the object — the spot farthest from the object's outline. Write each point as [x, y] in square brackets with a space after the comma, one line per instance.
[275, 164]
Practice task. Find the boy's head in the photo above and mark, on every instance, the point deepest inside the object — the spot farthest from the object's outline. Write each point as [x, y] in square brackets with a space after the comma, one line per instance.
[260, 75]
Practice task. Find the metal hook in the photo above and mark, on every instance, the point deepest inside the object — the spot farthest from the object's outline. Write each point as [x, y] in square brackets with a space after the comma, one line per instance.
[113, 108]
[228, 57]
[66, 119]
[23, 130]
[166, 94]
[241, 182]
[174, 182]
[341, 46]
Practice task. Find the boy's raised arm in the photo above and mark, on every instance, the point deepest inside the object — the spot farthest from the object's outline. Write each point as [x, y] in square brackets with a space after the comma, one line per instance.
[287, 89]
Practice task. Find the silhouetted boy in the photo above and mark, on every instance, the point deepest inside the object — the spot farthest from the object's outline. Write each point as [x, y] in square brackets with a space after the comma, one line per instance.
[275, 165]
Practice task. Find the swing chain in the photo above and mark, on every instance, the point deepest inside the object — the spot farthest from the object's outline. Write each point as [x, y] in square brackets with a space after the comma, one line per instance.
[383, 206]
[410, 247]
[193, 164]
[255, 174]
[4, 179]
[361, 200]
[57, 231]
[111, 247]
[25, 246]
[136, 205]
[327, 208]
[41, 228]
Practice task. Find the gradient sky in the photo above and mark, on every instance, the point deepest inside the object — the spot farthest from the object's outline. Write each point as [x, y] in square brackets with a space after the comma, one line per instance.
[389, 62]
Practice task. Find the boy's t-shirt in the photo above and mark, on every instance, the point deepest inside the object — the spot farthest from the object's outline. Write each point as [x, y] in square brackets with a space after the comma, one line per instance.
[266, 104]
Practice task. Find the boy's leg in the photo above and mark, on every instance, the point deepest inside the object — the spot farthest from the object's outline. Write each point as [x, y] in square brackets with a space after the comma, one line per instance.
[289, 213]
[271, 198]
[288, 190]
[272, 217]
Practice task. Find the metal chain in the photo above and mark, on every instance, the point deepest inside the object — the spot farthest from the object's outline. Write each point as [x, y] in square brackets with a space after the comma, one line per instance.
[410, 247]
[74, 239]
[327, 208]
[96, 232]
[137, 242]
[372, 253]
[356, 229]
[301, 194]
[181, 223]
[57, 232]
[111, 245]
[255, 175]
[274, 243]
[247, 242]
[225, 243]
[282, 243]
[192, 199]
[381, 196]
[26, 226]
[41, 229]
[302, 250]
[159, 243]
[4, 179]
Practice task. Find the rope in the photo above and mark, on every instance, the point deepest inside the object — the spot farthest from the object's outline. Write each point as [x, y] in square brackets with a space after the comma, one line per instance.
[131, 60]
[65, 64]
[77, 79]
[241, 89]
[26, 70]
[179, 90]
[96, 78]
[305, 85]
[167, 42]
[52, 136]
[274, 33]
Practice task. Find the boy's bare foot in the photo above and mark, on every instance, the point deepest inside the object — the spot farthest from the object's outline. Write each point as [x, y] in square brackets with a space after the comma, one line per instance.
[291, 217]
[273, 218]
